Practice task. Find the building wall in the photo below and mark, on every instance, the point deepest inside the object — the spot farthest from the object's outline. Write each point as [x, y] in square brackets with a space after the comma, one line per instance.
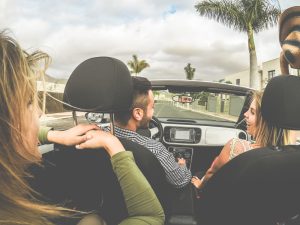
[295, 72]
[51, 87]
[266, 70]
[244, 77]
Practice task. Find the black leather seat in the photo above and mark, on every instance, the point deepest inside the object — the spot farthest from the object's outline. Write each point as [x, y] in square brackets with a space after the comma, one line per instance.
[260, 186]
[85, 179]
[153, 171]
[73, 177]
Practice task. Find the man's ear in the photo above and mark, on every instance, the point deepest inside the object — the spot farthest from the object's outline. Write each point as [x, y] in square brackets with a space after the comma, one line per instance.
[137, 114]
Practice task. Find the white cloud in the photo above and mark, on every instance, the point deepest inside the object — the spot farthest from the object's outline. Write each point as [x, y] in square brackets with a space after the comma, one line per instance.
[288, 3]
[168, 34]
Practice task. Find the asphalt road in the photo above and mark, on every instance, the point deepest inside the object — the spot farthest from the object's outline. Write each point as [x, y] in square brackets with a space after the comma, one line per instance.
[162, 110]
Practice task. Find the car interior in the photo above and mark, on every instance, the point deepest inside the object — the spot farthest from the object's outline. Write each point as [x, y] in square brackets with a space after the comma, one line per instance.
[84, 180]
[194, 120]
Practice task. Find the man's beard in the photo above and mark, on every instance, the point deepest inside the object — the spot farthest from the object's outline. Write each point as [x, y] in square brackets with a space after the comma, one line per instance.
[144, 123]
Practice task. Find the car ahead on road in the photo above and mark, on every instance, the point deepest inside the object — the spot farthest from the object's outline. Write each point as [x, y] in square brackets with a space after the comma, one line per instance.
[193, 120]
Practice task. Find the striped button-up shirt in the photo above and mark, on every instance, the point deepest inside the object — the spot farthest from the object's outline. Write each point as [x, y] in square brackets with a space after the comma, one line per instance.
[178, 176]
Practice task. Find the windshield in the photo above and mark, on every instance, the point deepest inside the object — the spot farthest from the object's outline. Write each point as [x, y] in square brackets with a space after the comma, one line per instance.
[198, 105]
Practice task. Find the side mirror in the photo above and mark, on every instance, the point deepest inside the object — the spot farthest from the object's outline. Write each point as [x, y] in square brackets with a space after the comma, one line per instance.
[94, 117]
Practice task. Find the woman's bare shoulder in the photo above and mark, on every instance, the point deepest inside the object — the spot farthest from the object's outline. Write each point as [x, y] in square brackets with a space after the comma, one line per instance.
[238, 146]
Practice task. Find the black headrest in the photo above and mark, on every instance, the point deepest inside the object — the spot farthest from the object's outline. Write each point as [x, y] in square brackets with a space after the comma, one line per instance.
[100, 84]
[260, 186]
[281, 102]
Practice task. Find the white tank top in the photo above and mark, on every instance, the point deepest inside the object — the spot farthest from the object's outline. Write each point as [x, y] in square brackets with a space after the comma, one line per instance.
[238, 146]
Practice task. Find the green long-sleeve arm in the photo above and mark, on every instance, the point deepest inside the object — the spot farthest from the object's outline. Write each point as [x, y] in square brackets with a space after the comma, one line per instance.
[142, 204]
[42, 136]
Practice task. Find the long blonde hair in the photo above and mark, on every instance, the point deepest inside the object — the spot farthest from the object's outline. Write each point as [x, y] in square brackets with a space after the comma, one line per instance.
[17, 90]
[266, 134]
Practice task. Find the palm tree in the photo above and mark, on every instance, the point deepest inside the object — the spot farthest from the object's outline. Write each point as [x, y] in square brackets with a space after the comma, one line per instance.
[250, 16]
[137, 66]
[189, 71]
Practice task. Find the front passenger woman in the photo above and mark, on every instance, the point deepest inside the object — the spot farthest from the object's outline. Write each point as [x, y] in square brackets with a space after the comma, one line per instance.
[262, 133]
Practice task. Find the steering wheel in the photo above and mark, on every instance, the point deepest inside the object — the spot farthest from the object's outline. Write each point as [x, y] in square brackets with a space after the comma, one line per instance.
[155, 130]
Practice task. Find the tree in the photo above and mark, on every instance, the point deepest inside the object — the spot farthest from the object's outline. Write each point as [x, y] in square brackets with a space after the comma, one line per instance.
[250, 16]
[189, 71]
[137, 66]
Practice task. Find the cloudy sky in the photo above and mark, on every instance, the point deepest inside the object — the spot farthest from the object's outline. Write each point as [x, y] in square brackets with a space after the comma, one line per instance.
[168, 34]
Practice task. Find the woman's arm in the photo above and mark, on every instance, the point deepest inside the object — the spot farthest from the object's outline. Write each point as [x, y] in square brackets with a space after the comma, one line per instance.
[142, 204]
[42, 136]
[70, 137]
[219, 161]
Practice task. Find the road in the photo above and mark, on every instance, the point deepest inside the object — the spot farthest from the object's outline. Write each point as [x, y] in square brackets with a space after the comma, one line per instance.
[62, 122]
[171, 111]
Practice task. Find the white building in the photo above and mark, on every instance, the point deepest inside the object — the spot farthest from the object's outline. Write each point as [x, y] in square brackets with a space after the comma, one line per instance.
[267, 70]
[51, 87]
[51, 84]
[240, 78]
[54, 89]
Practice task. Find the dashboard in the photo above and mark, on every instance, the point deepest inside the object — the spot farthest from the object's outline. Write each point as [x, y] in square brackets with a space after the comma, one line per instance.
[199, 135]
[187, 140]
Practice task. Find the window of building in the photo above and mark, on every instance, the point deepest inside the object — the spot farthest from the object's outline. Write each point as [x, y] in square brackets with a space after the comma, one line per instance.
[238, 81]
[271, 74]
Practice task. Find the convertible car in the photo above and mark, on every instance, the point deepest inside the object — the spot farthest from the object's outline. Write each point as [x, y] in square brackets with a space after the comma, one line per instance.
[194, 120]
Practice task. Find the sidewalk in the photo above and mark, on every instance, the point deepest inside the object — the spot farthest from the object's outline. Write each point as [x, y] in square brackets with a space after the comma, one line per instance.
[218, 115]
